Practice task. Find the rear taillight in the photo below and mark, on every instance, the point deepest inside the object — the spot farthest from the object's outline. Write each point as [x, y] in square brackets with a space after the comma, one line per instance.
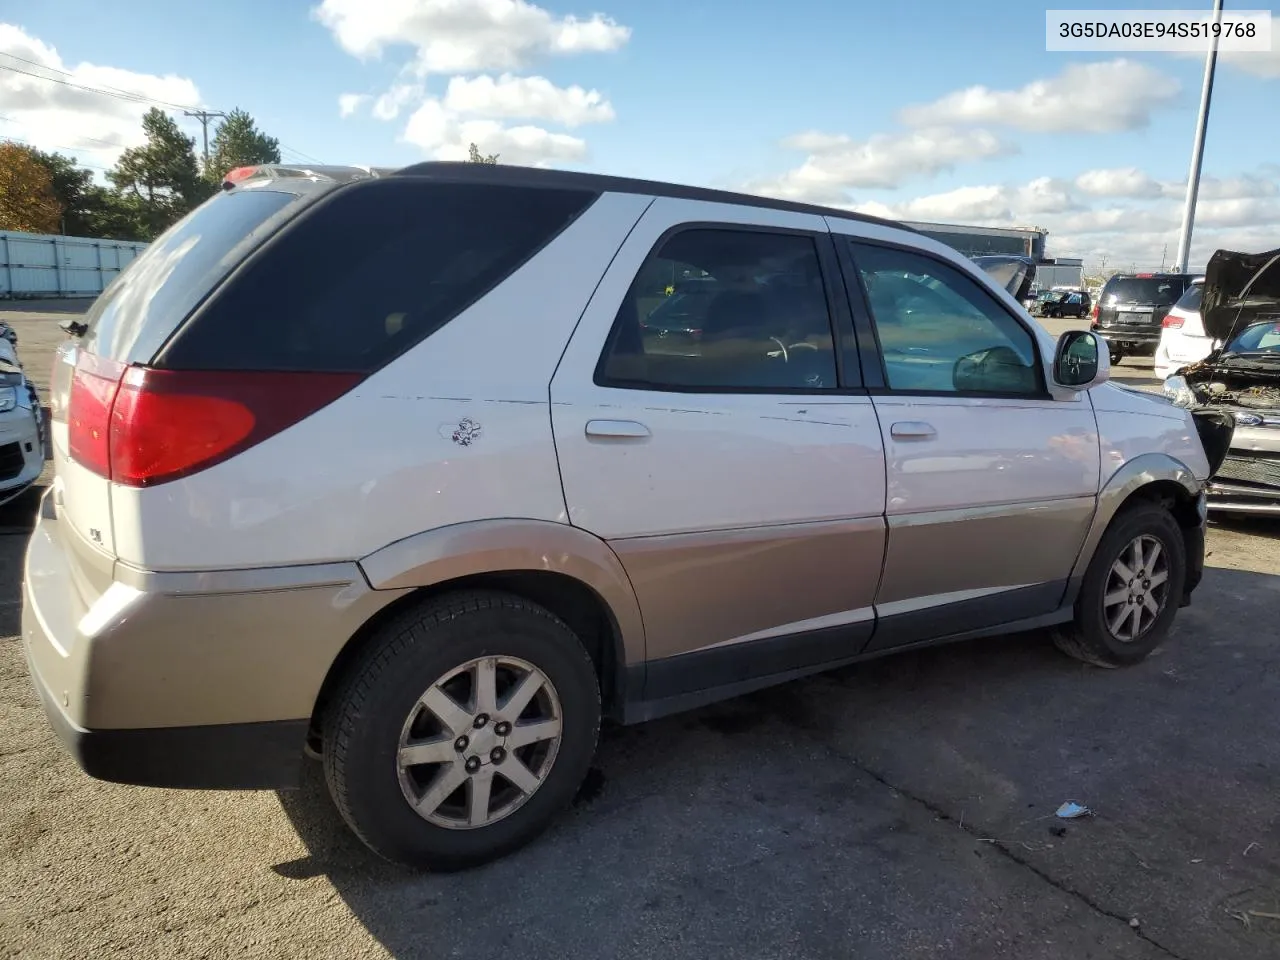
[94, 383]
[141, 427]
[1172, 321]
[1093, 314]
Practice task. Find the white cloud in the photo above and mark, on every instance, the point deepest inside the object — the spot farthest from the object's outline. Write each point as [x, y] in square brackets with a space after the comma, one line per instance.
[350, 103]
[991, 205]
[1265, 65]
[1102, 97]
[389, 104]
[445, 135]
[1134, 184]
[526, 98]
[54, 115]
[451, 36]
[838, 163]
[1119, 182]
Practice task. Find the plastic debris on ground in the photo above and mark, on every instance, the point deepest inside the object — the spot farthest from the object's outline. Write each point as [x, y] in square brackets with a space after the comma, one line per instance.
[1070, 810]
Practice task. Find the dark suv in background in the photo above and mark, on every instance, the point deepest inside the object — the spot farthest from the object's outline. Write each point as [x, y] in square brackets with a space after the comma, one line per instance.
[1131, 309]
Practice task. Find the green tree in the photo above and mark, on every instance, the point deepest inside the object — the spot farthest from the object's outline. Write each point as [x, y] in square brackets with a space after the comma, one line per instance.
[76, 192]
[475, 156]
[27, 200]
[239, 143]
[161, 176]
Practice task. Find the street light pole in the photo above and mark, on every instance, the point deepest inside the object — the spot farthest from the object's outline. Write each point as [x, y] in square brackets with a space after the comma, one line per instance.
[1197, 148]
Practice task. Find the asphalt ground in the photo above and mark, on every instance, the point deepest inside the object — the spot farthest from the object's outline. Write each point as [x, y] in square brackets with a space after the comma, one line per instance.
[898, 809]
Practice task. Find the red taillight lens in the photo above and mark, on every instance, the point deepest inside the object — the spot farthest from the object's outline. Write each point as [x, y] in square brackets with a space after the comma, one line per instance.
[158, 434]
[238, 174]
[1172, 321]
[1093, 314]
[141, 427]
[93, 392]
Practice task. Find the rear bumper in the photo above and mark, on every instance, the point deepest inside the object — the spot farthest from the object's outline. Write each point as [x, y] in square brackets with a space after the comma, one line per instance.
[1134, 341]
[243, 756]
[200, 680]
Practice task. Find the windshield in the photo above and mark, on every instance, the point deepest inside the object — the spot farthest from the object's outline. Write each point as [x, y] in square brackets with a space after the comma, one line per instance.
[146, 302]
[1263, 338]
[1161, 292]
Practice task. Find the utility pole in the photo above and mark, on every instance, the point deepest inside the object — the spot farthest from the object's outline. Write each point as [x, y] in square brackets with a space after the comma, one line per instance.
[1197, 148]
[1163, 254]
[204, 116]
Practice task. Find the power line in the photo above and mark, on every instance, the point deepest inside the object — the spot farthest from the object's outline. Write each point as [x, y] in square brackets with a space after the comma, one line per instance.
[118, 95]
[105, 143]
[88, 166]
[135, 98]
[133, 95]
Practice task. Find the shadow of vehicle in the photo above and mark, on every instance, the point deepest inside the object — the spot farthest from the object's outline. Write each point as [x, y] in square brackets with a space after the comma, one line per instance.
[892, 803]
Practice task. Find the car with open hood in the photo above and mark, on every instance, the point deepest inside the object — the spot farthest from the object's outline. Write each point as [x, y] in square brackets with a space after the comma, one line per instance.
[1239, 381]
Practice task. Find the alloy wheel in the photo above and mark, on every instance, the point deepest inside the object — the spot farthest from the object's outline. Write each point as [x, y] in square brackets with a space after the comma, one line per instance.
[1137, 589]
[479, 742]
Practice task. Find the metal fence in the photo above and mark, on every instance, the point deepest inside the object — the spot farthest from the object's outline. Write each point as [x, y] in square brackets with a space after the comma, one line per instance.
[44, 265]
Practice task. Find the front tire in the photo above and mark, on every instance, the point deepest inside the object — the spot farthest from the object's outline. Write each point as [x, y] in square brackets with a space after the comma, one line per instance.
[1131, 590]
[466, 725]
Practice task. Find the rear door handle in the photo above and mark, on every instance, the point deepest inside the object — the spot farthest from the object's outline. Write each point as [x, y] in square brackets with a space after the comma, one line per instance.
[913, 430]
[617, 429]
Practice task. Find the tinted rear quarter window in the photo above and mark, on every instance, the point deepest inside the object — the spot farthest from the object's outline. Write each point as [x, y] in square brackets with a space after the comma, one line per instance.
[371, 270]
[156, 292]
[1190, 301]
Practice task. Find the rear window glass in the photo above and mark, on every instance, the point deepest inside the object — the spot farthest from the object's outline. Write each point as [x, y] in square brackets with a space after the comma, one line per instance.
[1190, 300]
[1163, 292]
[369, 271]
[156, 292]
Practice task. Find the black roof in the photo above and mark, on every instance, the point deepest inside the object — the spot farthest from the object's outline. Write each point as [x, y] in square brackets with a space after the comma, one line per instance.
[508, 174]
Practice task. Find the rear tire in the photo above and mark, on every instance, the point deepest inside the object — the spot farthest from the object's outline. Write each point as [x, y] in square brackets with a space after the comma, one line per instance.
[466, 725]
[1117, 354]
[1131, 590]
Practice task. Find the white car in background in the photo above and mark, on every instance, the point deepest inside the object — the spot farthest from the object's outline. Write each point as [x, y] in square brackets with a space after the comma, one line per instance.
[1182, 337]
[22, 447]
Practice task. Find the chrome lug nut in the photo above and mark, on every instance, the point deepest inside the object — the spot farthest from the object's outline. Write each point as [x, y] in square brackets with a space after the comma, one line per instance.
[461, 744]
[497, 754]
[502, 728]
[473, 764]
[480, 720]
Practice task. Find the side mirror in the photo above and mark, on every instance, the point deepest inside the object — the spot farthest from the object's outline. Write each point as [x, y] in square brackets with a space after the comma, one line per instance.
[1081, 360]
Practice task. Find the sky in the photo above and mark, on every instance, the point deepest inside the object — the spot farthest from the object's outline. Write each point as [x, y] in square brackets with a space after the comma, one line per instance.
[922, 110]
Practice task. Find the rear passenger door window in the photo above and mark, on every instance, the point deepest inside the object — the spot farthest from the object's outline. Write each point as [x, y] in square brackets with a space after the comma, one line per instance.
[723, 309]
[940, 331]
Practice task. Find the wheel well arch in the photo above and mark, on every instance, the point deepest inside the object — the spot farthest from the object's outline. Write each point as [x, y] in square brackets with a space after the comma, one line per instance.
[581, 608]
[1169, 494]
[1149, 478]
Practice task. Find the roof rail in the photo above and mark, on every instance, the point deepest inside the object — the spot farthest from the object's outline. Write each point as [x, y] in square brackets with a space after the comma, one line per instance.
[283, 171]
[463, 171]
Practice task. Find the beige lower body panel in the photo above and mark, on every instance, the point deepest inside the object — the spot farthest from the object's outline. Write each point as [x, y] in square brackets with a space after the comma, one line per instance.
[951, 552]
[703, 590]
[131, 658]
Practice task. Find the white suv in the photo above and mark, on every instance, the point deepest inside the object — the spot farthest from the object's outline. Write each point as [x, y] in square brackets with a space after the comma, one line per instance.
[1183, 340]
[391, 469]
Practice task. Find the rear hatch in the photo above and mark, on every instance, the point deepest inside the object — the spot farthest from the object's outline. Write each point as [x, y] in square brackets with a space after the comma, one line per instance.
[95, 375]
[1138, 304]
